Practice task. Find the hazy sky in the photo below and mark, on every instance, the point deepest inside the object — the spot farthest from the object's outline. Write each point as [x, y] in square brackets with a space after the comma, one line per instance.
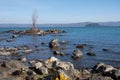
[59, 11]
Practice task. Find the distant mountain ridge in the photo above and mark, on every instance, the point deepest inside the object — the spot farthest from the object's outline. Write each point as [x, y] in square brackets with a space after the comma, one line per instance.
[81, 24]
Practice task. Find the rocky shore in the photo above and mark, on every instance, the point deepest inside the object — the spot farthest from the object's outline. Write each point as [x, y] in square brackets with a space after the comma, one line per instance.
[20, 68]
[54, 69]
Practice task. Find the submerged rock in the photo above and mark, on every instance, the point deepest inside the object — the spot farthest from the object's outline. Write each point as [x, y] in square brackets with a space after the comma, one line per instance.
[82, 46]
[91, 54]
[104, 49]
[9, 40]
[63, 42]
[77, 54]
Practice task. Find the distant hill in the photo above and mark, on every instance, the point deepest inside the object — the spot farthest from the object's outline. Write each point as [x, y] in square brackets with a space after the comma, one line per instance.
[93, 25]
[81, 24]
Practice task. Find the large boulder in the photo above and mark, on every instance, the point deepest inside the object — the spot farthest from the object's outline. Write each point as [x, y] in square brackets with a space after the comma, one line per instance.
[102, 68]
[116, 74]
[77, 54]
[65, 65]
[54, 44]
[51, 62]
[62, 75]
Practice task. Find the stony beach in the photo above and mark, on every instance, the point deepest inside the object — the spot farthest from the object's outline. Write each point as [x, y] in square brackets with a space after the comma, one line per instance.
[52, 68]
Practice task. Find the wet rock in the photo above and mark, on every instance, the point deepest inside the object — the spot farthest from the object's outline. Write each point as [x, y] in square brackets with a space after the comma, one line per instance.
[91, 54]
[104, 49]
[14, 36]
[24, 47]
[9, 40]
[54, 31]
[54, 44]
[82, 46]
[102, 68]
[28, 51]
[58, 53]
[43, 43]
[63, 42]
[33, 31]
[77, 54]
[23, 59]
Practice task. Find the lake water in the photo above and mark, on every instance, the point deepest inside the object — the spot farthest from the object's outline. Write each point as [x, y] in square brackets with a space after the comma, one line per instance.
[98, 37]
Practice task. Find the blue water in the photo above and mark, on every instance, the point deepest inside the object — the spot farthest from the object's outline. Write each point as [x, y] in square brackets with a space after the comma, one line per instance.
[98, 37]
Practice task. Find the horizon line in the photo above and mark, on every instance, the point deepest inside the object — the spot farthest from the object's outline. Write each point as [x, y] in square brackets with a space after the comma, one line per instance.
[66, 23]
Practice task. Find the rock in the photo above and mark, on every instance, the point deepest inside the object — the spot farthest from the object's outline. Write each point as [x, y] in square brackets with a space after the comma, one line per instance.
[51, 62]
[9, 40]
[54, 44]
[15, 64]
[30, 72]
[28, 51]
[23, 59]
[99, 77]
[4, 53]
[62, 76]
[102, 68]
[65, 65]
[104, 49]
[58, 53]
[52, 59]
[29, 78]
[43, 43]
[116, 75]
[16, 73]
[91, 54]
[63, 42]
[25, 47]
[3, 64]
[77, 54]
[14, 36]
[54, 31]
[43, 71]
[85, 72]
[38, 65]
[32, 63]
[82, 46]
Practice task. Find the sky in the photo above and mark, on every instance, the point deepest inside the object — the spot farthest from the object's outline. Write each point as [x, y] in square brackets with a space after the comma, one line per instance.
[59, 11]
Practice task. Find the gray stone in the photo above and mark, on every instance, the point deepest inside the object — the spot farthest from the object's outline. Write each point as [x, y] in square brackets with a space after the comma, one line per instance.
[77, 54]
[54, 44]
